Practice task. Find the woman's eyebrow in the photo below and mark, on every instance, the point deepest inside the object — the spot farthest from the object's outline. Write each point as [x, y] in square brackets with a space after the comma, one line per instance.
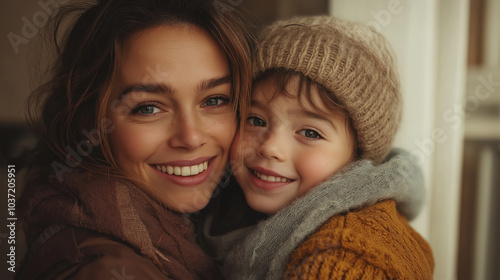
[159, 88]
[214, 82]
[162, 88]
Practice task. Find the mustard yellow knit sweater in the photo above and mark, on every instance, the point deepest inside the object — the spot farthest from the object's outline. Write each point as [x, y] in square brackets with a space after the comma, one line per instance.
[375, 242]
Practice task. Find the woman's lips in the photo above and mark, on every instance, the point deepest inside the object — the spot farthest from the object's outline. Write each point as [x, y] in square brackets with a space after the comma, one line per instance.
[183, 170]
[187, 172]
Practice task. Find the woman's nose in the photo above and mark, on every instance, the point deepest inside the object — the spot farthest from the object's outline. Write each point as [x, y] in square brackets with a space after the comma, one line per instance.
[273, 146]
[187, 132]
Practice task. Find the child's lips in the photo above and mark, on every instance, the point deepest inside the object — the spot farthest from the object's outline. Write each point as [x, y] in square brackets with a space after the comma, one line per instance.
[265, 171]
[270, 178]
[268, 182]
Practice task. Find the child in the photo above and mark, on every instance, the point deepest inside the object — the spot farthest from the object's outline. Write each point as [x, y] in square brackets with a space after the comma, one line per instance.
[315, 154]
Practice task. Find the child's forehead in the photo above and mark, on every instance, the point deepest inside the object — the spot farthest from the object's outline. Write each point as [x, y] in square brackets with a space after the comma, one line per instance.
[272, 87]
[267, 94]
[269, 91]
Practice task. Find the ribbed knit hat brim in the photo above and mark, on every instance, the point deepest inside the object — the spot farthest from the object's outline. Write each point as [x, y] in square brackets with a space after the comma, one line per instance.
[351, 60]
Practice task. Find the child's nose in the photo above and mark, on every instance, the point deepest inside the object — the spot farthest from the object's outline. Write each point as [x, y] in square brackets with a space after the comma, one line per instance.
[273, 146]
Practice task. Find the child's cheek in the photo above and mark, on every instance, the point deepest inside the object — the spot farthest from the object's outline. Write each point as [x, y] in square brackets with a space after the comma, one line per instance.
[249, 143]
[236, 156]
[243, 150]
[314, 168]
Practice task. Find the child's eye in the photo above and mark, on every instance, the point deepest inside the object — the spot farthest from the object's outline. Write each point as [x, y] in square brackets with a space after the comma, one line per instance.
[256, 121]
[216, 101]
[309, 133]
[145, 109]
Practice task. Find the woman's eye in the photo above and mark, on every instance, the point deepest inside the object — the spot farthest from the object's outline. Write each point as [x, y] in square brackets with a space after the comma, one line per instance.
[256, 121]
[145, 110]
[216, 101]
[309, 133]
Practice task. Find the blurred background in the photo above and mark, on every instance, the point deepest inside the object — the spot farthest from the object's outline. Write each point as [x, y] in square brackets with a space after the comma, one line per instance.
[449, 60]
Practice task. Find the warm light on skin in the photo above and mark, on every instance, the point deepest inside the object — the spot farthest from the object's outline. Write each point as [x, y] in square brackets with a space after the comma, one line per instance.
[297, 144]
[171, 109]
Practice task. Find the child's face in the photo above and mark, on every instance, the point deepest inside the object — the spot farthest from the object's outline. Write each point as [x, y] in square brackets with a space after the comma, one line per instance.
[286, 149]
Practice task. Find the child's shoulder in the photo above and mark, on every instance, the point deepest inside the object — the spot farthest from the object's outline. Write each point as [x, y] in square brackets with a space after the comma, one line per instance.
[375, 239]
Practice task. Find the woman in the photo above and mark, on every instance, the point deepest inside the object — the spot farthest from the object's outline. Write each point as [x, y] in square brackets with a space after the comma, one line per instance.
[135, 128]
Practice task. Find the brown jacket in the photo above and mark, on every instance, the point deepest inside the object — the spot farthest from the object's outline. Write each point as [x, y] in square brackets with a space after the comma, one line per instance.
[108, 228]
[375, 242]
[77, 253]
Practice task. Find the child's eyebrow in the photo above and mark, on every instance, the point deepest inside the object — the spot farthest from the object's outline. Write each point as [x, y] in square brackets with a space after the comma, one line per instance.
[257, 104]
[314, 115]
[298, 113]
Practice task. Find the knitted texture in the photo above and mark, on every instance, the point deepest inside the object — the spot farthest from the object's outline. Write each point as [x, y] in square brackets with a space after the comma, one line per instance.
[352, 61]
[120, 209]
[371, 243]
[264, 253]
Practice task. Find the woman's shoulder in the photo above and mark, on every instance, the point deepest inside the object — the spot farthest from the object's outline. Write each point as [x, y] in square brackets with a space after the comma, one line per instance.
[77, 253]
[375, 239]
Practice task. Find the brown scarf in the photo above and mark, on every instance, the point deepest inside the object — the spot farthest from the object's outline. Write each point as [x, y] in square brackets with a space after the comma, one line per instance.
[121, 209]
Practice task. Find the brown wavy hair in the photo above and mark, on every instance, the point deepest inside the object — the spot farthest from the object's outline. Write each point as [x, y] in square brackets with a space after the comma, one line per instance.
[73, 103]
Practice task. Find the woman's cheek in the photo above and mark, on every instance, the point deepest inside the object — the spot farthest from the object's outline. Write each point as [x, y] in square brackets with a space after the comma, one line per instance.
[135, 142]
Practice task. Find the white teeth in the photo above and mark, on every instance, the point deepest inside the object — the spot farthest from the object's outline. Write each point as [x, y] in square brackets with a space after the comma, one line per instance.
[270, 178]
[177, 170]
[183, 170]
[194, 170]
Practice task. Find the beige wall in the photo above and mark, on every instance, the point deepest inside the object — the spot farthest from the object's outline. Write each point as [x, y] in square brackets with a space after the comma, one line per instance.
[17, 66]
[14, 69]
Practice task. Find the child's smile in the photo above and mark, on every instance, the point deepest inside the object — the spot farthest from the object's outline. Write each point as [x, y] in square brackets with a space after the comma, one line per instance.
[268, 180]
[288, 147]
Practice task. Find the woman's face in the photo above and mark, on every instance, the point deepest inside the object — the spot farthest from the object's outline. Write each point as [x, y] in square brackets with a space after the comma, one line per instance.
[173, 119]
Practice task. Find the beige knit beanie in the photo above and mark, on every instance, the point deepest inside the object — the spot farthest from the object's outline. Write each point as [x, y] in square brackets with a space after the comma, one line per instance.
[352, 60]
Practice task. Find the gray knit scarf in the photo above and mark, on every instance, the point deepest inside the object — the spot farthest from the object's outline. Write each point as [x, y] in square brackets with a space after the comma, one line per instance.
[263, 254]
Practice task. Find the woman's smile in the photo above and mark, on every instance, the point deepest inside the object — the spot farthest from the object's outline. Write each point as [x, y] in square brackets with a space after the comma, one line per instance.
[173, 131]
[189, 174]
[183, 170]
